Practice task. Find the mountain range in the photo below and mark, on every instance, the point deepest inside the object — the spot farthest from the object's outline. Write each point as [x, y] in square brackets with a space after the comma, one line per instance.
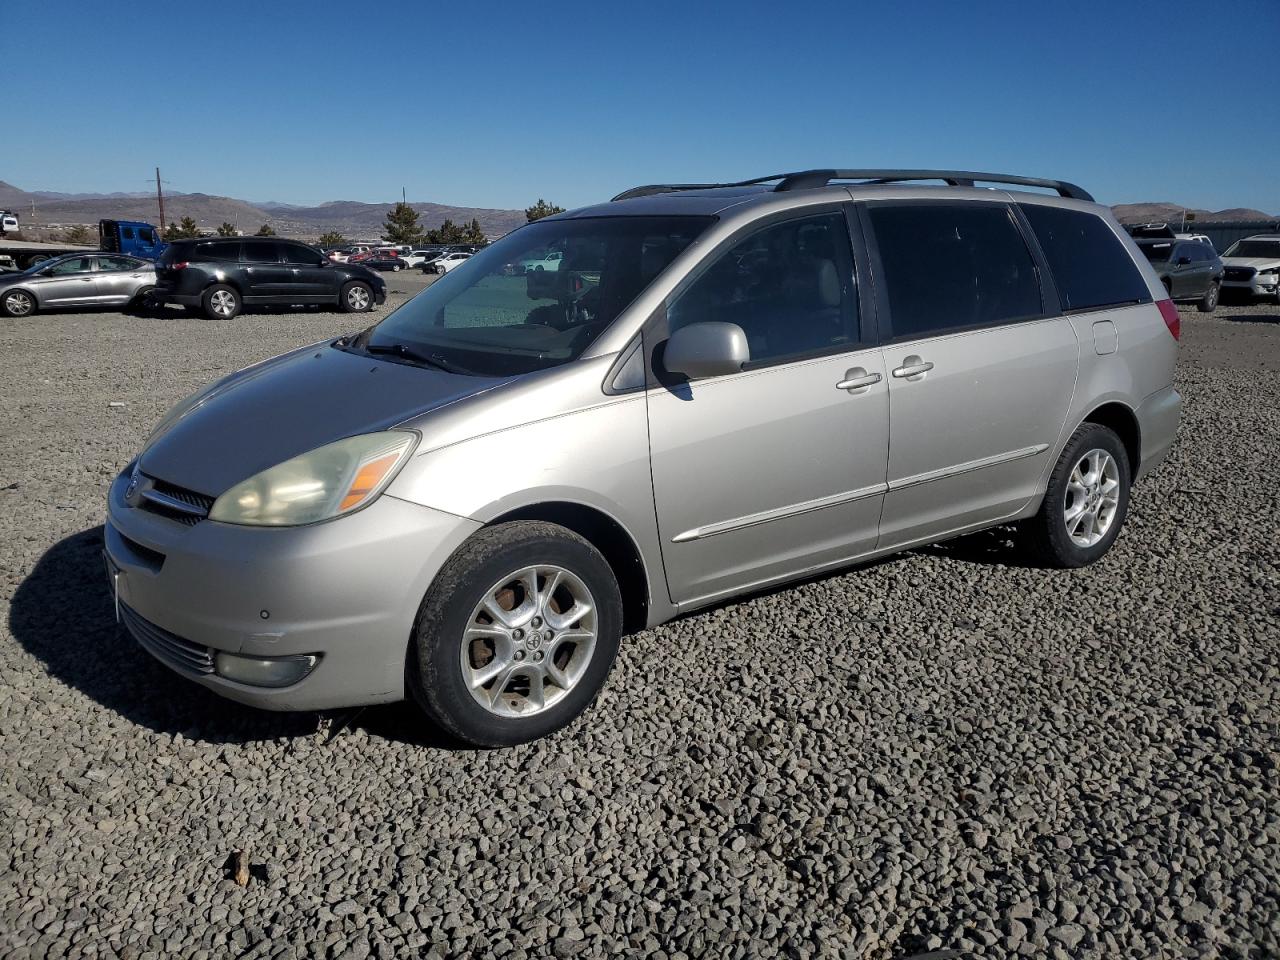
[357, 220]
[351, 218]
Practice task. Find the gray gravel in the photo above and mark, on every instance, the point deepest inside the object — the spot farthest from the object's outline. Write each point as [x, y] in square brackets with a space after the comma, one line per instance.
[945, 750]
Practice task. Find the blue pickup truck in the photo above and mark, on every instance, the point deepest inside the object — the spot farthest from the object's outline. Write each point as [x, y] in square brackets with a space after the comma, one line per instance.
[115, 236]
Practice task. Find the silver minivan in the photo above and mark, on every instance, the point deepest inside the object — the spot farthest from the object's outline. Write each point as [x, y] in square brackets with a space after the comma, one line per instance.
[721, 388]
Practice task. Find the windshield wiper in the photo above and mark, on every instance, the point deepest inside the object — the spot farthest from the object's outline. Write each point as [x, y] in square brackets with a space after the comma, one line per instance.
[415, 356]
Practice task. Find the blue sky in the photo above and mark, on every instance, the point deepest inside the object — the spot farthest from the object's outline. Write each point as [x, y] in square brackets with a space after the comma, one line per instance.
[499, 104]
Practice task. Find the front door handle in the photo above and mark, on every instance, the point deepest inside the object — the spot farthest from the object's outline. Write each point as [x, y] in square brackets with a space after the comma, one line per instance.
[857, 379]
[913, 368]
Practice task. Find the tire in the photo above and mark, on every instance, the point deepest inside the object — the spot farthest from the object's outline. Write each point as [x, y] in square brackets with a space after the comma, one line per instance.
[1053, 538]
[221, 302]
[356, 297]
[18, 304]
[494, 564]
[395, 268]
[142, 299]
[1209, 302]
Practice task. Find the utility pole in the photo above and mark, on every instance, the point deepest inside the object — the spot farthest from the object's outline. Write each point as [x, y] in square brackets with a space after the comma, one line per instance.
[160, 197]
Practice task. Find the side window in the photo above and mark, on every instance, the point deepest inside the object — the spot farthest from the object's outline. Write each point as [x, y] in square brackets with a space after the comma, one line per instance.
[297, 253]
[126, 233]
[147, 235]
[219, 250]
[948, 266]
[74, 265]
[261, 253]
[116, 264]
[1090, 265]
[790, 287]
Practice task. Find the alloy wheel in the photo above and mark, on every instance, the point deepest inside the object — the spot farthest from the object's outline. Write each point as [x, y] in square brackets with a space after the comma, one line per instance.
[223, 302]
[529, 641]
[18, 303]
[358, 298]
[1092, 498]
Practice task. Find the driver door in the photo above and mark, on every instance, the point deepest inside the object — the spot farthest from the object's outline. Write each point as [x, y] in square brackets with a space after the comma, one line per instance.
[68, 283]
[780, 469]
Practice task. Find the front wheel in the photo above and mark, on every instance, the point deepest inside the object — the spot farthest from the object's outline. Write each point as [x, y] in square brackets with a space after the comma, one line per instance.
[356, 297]
[18, 303]
[517, 634]
[1086, 502]
[1209, 302]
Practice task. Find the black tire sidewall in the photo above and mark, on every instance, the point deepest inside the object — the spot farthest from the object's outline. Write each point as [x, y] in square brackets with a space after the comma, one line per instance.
[1056, 543]
[1209, 303]
[434, 663]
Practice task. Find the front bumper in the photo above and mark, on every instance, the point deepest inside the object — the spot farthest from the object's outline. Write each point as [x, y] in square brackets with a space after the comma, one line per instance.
[1256, 286]
[347, 590]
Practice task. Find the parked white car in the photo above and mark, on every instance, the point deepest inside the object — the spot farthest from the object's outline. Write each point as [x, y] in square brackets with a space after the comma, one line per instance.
[416, 258]
[1252, 266]
[449, 261]
[550, 260]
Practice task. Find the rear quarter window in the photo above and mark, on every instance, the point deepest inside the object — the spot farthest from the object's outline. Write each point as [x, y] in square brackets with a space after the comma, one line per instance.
[1090, 265]
[219, 250]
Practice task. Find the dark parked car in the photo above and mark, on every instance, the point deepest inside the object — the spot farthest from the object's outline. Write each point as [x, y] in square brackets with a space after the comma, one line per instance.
[219, 277]
[385, 261]
[1189, 270]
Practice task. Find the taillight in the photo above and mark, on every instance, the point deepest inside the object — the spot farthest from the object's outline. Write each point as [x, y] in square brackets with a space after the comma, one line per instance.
[180, 265]
[1171, 319]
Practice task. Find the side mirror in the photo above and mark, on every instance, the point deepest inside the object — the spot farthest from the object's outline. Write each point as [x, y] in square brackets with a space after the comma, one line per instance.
[708, 349]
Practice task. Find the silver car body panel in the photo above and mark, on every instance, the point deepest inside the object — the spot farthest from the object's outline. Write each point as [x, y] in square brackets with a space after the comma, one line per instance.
[85, 288]
[726, 485]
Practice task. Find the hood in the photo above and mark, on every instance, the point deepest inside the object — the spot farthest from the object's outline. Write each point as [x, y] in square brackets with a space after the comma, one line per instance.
[1259, 263]
[270, 413]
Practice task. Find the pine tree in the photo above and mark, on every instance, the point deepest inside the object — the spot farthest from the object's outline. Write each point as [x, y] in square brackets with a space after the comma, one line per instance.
[265, 231]
[541, 209]
[228, 230]
[402, 225]
[331, 238]
[188, 229]
[472, 233]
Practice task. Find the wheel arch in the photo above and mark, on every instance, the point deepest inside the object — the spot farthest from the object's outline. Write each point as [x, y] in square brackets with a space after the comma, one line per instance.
[1123, 422]
[607, 535]
[29, 291]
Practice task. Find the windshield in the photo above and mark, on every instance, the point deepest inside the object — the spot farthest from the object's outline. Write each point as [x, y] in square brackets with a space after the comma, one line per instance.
[1156, 252]
[1268, 249]
[492, 315]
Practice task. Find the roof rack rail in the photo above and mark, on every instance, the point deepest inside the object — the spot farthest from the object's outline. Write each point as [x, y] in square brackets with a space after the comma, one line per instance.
[810, 179]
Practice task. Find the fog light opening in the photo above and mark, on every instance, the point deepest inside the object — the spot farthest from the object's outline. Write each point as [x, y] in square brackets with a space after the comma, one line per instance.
[265, 671]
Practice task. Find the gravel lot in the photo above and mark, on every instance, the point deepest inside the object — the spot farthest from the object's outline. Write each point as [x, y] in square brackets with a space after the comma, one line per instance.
[944, 750]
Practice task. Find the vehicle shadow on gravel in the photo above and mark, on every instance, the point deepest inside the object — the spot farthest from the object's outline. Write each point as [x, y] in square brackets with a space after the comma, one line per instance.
[1250, 317]
[62, 614]
[995, 547]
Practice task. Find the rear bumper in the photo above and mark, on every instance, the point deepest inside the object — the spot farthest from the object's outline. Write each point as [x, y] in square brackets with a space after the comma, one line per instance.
[172, 296]
[1158, 426]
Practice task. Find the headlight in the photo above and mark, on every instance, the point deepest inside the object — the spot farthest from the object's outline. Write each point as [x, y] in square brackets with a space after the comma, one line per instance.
[327, 482]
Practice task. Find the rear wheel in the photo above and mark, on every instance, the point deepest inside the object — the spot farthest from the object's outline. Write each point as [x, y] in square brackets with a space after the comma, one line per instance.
[1209, 302]
[356, 297]
[18, 303]
[221, 302]
[1086, 503]
[517, 634]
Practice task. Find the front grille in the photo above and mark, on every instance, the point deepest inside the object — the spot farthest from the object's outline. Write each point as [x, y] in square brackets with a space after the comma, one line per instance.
[182, 655]
[1239, 273]
[176, 503]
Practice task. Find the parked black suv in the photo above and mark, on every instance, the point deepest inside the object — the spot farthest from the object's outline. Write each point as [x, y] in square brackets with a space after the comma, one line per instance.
[218, 277]
[1189, 269]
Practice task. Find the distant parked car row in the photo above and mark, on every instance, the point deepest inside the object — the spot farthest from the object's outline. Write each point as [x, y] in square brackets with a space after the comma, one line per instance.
[1191, 269]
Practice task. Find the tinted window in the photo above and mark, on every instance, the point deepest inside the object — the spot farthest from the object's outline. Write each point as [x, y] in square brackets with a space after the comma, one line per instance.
[261, 253]
[126, 232]
[790, 287]
[1089, 263]
[146, 235]
[1157, 252]
[219, 250]
[950, 266]
[117, 264]
[297, 253]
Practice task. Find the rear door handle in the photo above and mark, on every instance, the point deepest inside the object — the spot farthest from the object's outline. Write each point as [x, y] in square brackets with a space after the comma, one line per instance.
[912, 367]
[858, 379]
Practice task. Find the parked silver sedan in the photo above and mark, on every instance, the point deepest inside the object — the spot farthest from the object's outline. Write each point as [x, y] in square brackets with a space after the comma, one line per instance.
[94, 280]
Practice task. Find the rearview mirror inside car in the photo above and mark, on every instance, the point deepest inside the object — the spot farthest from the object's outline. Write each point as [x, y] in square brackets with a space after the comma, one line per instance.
[709, 349]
